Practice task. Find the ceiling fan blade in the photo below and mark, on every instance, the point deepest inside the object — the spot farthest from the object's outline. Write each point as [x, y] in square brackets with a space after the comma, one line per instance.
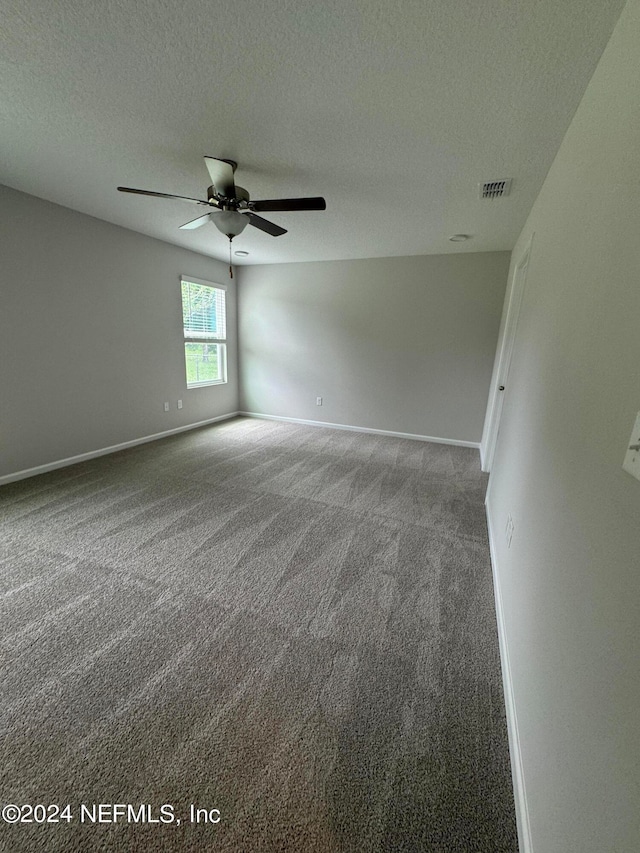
[163, 195]
[316, 203]
[221, 172]
[196, 223]
[265, 225]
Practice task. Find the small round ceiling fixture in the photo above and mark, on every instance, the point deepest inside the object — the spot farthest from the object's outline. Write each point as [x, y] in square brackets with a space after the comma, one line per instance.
[241, 254]
[459, 238]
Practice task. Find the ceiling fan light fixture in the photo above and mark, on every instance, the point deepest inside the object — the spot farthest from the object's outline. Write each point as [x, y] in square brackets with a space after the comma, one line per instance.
[230, 222]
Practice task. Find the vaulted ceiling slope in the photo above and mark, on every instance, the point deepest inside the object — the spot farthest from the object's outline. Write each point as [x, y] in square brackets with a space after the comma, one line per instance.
[393, 110]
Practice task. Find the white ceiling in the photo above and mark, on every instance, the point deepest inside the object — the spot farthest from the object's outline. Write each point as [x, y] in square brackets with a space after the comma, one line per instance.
[394, 110]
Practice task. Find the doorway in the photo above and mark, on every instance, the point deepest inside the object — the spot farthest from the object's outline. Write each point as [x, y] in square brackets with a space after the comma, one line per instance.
[500, 380]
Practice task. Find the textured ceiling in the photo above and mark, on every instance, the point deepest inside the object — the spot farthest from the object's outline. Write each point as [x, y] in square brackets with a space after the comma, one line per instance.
[394, 110]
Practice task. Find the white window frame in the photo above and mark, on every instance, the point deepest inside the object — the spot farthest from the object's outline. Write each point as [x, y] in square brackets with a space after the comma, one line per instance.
[206, 338]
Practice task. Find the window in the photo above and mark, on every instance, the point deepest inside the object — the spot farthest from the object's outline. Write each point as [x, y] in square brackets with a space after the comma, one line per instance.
[204, 317]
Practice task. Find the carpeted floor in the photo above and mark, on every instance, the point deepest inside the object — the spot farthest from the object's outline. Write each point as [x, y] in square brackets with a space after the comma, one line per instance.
[292, 625]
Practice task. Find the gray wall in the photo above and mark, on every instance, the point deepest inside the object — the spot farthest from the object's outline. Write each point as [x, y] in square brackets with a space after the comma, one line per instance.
[91, 335]
[570, 583]
[400, 344]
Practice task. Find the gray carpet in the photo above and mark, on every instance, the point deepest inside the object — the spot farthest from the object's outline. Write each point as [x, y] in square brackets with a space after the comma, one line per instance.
[289, 624]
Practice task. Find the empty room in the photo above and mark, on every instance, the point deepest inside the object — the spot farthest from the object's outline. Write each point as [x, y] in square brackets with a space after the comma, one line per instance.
[320, 426]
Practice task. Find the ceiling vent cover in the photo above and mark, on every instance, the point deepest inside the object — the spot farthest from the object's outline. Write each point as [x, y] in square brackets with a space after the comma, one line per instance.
[495, 189]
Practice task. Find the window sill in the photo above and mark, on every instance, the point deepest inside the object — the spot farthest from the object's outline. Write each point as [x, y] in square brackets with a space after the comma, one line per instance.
[208, 382]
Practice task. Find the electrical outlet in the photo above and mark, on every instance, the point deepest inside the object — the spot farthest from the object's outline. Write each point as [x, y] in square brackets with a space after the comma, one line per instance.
[318, 401]
[166, 407]
[631, 462]
[179, 404]
[508, 531]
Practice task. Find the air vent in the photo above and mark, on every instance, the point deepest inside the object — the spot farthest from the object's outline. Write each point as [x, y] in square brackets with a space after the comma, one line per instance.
[495, 189]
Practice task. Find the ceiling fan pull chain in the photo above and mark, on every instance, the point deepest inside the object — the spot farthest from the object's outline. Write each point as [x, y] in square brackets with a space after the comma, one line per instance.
[230, 267]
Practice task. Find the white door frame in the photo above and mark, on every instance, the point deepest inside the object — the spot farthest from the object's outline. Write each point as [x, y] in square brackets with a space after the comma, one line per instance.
[505, 352]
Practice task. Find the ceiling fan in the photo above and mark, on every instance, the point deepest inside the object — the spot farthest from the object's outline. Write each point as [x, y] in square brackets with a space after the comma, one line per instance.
[230, 206]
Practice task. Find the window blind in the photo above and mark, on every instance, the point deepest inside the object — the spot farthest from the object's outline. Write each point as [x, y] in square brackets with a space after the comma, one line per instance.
[203, 311]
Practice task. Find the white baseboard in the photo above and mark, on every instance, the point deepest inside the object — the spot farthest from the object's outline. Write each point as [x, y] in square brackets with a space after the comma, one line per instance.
[410, 435]
[519, 791]
[93, 454]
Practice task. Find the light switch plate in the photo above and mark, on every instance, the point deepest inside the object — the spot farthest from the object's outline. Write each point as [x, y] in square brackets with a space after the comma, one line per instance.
[631, 462]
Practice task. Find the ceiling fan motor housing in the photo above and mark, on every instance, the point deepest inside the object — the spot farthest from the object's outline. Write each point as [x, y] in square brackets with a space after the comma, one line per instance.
[240, 196]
